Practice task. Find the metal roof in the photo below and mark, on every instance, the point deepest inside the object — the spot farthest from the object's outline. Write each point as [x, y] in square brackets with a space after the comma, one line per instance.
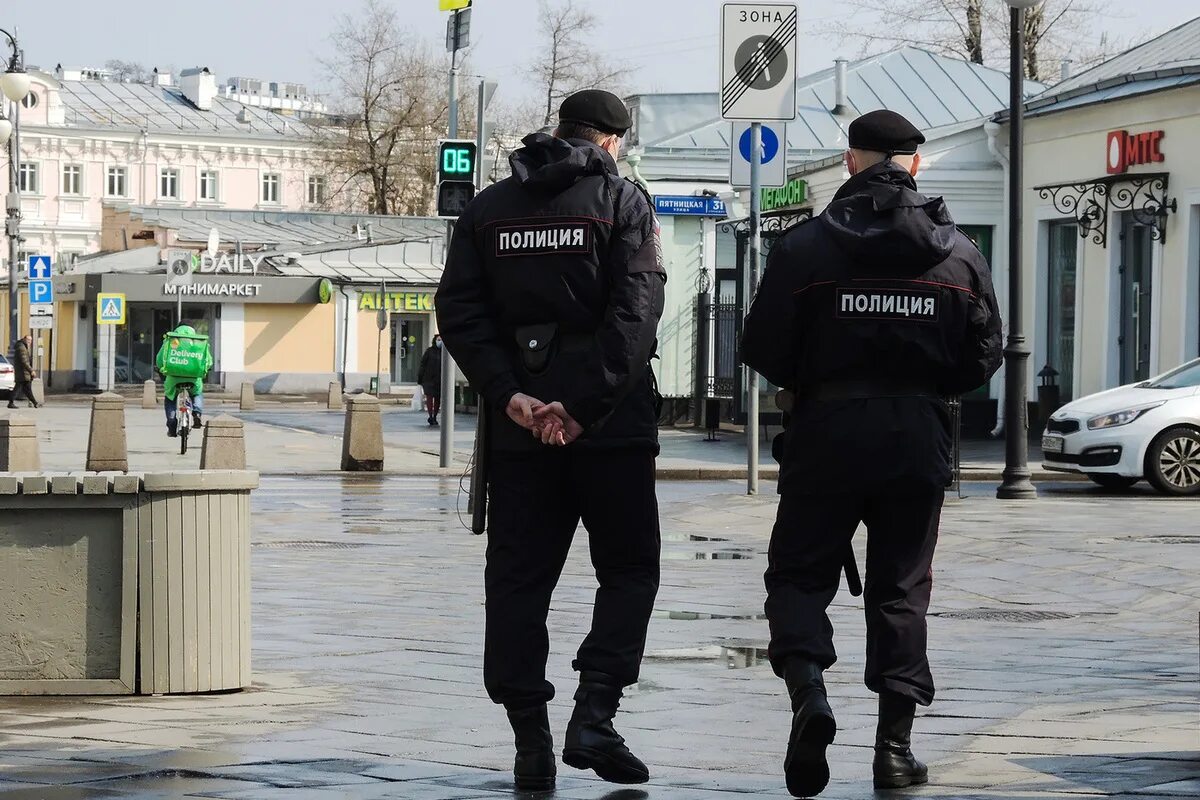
[410, 263]
[1177, 48]
[1170, 61]
[281, 229]
[164, 109]
[932, 90]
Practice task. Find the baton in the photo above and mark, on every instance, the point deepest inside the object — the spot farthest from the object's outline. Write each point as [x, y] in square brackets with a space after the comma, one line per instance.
[853, 581]
[477, 500]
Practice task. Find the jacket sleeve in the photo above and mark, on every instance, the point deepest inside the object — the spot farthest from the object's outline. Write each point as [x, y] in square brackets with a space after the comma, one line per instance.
[625, 340]
[160, 361]
[466, 319]
[769, 335]
[982, 349]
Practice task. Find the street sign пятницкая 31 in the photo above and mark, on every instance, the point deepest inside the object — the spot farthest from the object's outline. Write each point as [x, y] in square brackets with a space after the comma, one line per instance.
[758, 62]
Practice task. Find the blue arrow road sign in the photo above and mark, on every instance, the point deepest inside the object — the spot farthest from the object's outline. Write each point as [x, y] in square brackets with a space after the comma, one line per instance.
[770, 145]
[41, 292]
[39, 268]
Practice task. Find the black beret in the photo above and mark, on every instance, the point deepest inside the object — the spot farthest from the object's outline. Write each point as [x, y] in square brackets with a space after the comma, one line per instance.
[885, 131]
[602, 110]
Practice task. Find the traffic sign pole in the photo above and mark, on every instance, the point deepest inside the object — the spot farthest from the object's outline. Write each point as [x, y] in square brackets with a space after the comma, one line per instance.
[752, 287]
[449, 370]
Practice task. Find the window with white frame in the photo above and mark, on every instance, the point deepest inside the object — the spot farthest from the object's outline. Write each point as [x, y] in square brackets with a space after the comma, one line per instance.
[316, 190]
[208, 184]
[72, 182]
[270, 187]
[27, 178]
[168, 183]
[117, 183]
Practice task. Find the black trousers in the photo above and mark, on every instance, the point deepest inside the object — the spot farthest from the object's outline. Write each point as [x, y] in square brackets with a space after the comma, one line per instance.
[22, 388]
[808, 547]
[536, 502]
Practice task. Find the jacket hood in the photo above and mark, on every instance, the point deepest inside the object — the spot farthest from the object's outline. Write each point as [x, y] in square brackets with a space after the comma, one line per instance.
[183, 330]
[554, 164]
[879, 218]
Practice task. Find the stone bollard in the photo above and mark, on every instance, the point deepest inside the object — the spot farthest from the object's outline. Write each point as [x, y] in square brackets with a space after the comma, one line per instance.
[336, 401]
[19, 451]
[224, 444]
[248, 401]
[362, 439]
[38, 388]
[107, 451]
[149, 395]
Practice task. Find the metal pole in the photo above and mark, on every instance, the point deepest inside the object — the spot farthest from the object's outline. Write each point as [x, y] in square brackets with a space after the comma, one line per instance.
[479, 135]
[13, 227]
[752, 287]
[1016, 484]
[383, 302]
[446, 457]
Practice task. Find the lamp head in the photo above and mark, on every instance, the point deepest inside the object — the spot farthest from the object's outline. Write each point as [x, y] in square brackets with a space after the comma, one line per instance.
[15, 85]
[5, 131]
[1024, 3]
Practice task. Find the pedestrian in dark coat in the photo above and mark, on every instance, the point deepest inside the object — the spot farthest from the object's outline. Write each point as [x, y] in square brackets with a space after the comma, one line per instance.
[430, 378]
[23, 372]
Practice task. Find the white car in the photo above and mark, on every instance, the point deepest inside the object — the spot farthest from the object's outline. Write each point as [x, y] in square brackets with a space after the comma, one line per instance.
[8, 379]
[1145, 430]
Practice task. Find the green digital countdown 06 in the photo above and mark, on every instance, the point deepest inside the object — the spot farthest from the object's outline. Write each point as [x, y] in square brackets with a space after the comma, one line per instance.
[457, 161]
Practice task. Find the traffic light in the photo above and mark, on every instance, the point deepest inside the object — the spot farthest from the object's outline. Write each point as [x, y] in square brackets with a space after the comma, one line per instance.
[456, 176]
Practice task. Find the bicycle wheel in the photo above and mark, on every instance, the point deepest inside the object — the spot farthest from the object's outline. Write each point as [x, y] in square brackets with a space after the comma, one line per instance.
[183, 439]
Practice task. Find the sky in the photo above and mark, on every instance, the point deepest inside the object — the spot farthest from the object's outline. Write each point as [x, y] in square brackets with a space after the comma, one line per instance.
[671, 44]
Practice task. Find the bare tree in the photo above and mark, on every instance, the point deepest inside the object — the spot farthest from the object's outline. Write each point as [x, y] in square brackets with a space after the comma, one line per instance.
[127, 71]
[389, 109]
[567, 64]
[979, 31]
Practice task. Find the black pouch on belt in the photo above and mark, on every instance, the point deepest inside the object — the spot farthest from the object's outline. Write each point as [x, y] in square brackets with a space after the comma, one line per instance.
[537, 344]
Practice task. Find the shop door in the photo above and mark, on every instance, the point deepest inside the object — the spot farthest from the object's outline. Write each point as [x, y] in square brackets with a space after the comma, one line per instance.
[410, 334]
[1135, 274]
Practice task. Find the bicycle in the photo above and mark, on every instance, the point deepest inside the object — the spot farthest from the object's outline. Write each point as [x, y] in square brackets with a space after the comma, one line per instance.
[183, 417]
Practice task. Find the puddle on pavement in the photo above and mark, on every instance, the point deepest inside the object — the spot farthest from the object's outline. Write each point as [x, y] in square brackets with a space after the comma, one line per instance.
[666, 613]
[733, 657]
[733, 554]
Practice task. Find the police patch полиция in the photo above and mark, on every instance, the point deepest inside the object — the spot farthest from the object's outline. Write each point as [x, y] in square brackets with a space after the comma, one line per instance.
[543, 238]
[904, 305]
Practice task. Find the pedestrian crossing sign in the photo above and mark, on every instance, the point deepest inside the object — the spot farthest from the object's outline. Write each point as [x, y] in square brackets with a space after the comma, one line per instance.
[111, 308]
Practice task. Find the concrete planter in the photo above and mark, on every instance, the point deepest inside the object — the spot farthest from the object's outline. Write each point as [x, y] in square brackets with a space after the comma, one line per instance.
[107, 573]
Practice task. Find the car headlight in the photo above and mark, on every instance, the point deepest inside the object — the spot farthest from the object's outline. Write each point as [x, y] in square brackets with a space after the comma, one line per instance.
[1122, 417]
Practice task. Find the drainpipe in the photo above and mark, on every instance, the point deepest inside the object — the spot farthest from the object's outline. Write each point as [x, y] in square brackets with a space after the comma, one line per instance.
[345, 333]
[992, 129]
[633, 160]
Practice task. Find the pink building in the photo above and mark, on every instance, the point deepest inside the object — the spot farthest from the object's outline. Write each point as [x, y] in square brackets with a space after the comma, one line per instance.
[87, 141]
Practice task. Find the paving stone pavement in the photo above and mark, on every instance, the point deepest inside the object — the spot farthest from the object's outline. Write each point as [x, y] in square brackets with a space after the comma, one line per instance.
[368, 612]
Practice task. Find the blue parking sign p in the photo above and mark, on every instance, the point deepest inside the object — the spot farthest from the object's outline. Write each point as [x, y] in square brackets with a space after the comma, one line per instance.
[41, 292]
[40, 268]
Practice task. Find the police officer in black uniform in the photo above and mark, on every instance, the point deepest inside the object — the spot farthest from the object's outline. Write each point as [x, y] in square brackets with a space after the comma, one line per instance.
[550, 301]
[871, 314]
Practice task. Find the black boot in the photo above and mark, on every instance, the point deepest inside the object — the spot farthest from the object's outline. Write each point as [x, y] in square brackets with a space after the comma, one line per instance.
[535, 766]
[813, 729]
[172, 428]
[895, 766]
[592, 742]
[196, 422]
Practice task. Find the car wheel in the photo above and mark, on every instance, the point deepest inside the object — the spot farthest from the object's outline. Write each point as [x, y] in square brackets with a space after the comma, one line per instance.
[1173, 461]
[1110, 481]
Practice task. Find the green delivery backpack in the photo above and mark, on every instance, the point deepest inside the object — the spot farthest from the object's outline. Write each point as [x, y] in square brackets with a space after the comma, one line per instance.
[185, 355]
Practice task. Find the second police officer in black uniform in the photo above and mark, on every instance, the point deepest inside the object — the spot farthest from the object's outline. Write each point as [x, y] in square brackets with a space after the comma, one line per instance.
[550, 302]
[870, 313]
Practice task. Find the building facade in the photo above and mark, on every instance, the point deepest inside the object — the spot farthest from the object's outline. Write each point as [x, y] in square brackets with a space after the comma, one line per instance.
[291, 301]
[1112, 219]
[87, 141]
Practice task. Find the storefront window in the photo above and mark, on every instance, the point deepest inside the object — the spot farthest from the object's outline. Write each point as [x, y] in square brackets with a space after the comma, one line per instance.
[1060, 305]
[138, 340]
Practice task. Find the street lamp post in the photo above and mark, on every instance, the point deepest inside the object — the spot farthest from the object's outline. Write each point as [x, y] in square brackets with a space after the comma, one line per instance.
[14, 83]
[1016, 484]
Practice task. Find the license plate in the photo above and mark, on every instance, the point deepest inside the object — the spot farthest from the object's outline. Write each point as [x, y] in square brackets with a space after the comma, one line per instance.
[1052, 444]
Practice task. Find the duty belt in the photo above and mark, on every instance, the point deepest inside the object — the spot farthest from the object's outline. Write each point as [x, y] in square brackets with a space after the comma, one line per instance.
[868, 388]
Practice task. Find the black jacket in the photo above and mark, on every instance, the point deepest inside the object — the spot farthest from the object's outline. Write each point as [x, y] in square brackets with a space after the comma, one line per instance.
[554, 287]
[22, 362]
[429, 375]
[870, 312]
